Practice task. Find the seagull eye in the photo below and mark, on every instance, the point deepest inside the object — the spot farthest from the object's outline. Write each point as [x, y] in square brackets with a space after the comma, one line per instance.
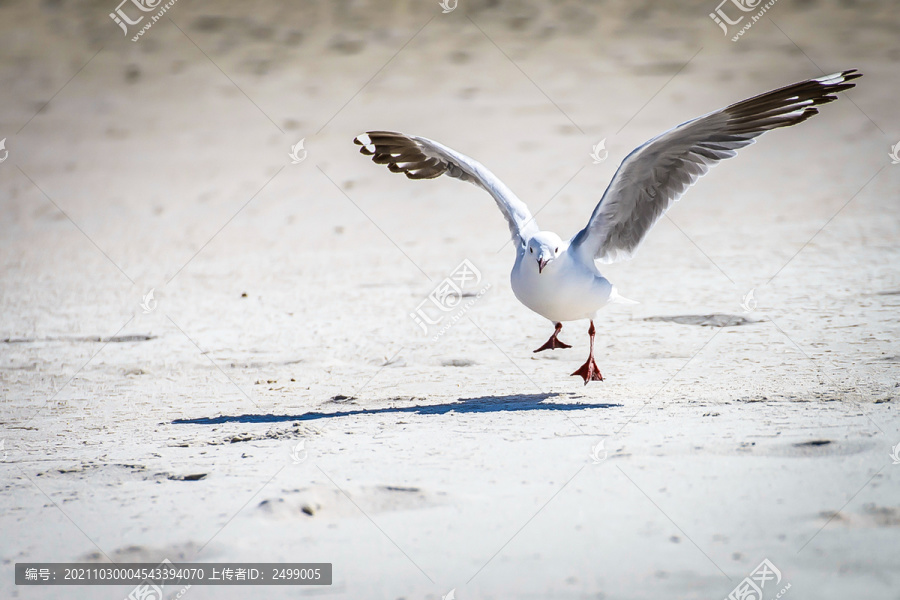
[557, 250]
[531, 250]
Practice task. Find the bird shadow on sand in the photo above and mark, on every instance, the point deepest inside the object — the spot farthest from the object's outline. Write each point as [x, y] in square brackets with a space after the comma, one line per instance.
[484, 404]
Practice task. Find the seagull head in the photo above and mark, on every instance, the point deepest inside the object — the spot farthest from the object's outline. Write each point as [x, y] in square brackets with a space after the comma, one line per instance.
[544, 247]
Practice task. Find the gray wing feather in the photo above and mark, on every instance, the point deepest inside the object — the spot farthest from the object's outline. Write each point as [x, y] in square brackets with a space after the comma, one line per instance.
[655, 175]
[421, 158]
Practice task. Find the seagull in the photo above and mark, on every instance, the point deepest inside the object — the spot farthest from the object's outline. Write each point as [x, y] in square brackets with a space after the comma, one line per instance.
[560, 280]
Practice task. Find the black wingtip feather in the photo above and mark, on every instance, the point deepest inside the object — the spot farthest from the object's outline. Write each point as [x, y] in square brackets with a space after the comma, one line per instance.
[403, 154]
[789, 105]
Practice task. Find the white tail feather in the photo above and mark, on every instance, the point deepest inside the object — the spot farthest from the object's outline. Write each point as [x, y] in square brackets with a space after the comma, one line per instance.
[615, 298]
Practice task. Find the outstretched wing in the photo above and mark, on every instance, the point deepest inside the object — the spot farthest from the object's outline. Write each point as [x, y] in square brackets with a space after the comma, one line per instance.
[655, 175]
[421, 158]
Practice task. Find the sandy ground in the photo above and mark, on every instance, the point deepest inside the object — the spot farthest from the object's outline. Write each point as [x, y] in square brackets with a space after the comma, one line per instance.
[282, 295]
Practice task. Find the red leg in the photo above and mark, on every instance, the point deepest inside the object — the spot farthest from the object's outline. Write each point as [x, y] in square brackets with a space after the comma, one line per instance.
[589, 370]
[553, 343]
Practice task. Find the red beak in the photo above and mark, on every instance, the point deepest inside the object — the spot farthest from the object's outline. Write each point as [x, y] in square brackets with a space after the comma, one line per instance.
[542, 262]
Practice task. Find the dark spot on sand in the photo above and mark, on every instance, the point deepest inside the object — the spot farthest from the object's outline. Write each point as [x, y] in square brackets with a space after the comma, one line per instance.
[192, 477]
[460, 57]
[344, 45]
[128, 338]
[210, 23]
[813, 443]
[132, 73]
[713, 320]
[293, 38]
[114, 339]
[458, 362]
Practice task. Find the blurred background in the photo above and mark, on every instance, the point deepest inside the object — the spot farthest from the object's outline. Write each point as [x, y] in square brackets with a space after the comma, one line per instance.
[211, 163]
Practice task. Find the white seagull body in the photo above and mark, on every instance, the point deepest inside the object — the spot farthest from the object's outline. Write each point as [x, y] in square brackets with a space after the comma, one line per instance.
[560, 280]
[565, 289]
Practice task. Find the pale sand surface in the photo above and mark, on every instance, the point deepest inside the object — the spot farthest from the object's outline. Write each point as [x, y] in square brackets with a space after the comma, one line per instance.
[462, 463]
